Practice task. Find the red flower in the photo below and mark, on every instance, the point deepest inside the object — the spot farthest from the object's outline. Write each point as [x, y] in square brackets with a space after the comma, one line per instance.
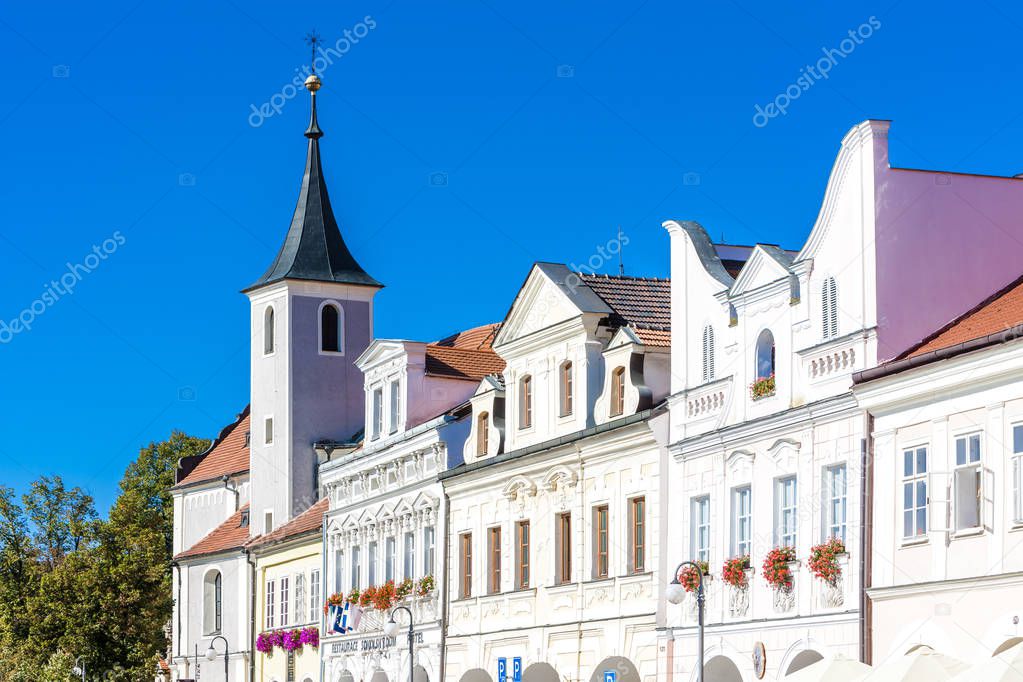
[690, 579]
[734, 570]
[776, 567]
[824, 560]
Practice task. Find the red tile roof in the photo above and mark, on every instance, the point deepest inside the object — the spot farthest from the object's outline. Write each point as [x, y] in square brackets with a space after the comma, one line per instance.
[465, 355]
[657, 338]
[1001, 312]
[640, 301]
[307, 522]
[229, 454]
[231, 534]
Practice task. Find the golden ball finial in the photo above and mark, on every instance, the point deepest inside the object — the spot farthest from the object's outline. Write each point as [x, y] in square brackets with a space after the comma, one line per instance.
[313, 83]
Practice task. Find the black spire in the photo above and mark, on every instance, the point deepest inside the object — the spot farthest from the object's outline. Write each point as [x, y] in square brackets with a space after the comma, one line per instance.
[314, 249]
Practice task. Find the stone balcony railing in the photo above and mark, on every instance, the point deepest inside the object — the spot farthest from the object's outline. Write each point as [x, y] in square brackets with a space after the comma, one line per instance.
[708, 400]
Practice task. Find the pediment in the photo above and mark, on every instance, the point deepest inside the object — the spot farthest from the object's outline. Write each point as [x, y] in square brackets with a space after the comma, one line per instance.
[551, 294]
[488, 385]
[766, 265]
[623, 337]
[380, 350]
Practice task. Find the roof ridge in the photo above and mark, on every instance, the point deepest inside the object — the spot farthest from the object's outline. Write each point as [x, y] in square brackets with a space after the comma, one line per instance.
[640, 278]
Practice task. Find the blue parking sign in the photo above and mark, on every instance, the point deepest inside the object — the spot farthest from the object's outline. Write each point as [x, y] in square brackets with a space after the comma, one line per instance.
[517, 669]
[610, 675]
[502, 670]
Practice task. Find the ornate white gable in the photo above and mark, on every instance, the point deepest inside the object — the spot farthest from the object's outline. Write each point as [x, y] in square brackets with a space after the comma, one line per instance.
[761, 269]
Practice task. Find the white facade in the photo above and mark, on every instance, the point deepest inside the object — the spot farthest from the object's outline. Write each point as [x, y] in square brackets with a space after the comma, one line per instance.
[554, 542]
[947, 561]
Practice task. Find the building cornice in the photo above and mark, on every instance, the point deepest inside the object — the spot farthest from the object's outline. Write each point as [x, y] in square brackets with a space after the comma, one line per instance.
[957, 585]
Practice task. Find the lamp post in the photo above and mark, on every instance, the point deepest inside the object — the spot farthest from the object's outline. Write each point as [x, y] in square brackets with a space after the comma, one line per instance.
[211, 653]
[79, 668]
[676, 593]
[391, 630]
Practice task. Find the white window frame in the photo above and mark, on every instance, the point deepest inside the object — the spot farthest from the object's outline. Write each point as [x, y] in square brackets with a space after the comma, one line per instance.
[356, 567]
[314, 595]
[835, 503]
[394, 398]
[339, 570]
[285, 601]
[742, 520]
[429, 549]
[269, 331]
[270, 597]
[268, 430]
[786, 511]
[960, 474]
[376, 412]
[708, 353]
[1017, 474]
[299, 598]
[829, 308]
[699, 527]
[371, 563]
[408, 560]
[390, 557]
[914, 481]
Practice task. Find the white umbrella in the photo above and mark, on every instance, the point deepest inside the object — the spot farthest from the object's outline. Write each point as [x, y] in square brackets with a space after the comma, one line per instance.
[922, 665]
[1005, 667]
[836, 669]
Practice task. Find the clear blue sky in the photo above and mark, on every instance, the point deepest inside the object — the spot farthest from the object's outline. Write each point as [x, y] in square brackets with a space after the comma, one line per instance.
[106, 106]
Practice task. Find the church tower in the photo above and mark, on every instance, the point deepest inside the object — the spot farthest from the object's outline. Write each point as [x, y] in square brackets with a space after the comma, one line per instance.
[311, 317]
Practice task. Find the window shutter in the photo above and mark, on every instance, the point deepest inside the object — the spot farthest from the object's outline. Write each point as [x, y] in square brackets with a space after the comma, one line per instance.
[833, 308]
[939, 493]
[987, 498]
[708, 353]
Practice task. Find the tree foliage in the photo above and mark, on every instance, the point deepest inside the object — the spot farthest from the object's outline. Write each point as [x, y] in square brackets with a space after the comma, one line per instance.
[72, 584]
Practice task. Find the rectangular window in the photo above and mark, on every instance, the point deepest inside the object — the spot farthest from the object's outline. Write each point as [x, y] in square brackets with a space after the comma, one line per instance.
[494, 552]
[409, 565]
[378, 413]
[356, 566]
[742, 521]
[522, 555]
[563, 537]
[389, 552]
[700, 529]
[600, 549]
[1017, 472]
[339, 571]
[914, 492]
[637, 534]
[395, 407]
[967, 482]
[314, 596]
[834, 522]
[525, 402]
[268, 430]
[371, 560]
[299, 597]
[566, 389]
[465, 564]
[285, 594]
[429, 549]
[270, 604]
[786, 512]
[268, 522]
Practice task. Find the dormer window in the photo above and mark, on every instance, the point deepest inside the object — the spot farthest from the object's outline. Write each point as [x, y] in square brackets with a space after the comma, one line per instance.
[763, 385]
[525, 402]
[395, 407]
[565, 388]
[618, 392]
[829, 309]
[482, 433]
[708, 353]
[331, 333]
[377, 413]
[268, 331]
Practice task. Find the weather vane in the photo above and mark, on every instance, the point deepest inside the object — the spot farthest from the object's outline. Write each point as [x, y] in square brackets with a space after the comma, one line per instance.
[312, 39]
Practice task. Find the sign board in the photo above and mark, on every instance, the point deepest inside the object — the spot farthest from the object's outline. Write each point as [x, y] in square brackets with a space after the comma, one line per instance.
[502, 670]
[517, 669]
[759, 660]
[610, 676]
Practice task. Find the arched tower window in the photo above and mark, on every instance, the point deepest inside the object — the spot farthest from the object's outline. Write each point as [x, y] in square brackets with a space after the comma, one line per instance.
[212, 611]
[708, 353]
[829, 308]
[331, 332]
[268, 330]
[565, 388]
[618, 392]
[482, 433]
[765, 355]
[525, 402]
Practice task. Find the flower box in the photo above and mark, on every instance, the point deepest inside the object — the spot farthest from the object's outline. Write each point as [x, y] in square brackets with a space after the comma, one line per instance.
[763, 387]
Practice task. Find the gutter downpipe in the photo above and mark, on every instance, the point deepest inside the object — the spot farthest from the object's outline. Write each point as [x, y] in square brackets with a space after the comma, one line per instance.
[866, 536]
[252, 616]
[176, 568]
[444, 589]
[323, 582]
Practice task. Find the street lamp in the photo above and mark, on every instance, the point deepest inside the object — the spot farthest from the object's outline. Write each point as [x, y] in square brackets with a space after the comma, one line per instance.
[79, 668]
[676, 593]
[391, 630]
[211, 653]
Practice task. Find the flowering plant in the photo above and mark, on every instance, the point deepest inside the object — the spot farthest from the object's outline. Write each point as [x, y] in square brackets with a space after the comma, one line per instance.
[425, 586]
[354, 596]
[336, 599]
[824, 560]
[311, 636]
[292, 639]
[734, 570]
[776, 567]
[367, 596]
[689, 577]
[383, 596]
[762, 387]
[287, 640]
[405, 588]
[263, 644]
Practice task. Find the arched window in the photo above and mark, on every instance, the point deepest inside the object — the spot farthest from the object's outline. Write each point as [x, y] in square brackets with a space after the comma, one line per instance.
[708, 353]
[331, 335]
[212, 611]
[482, 433]
[829, 308]
[525, 402]
[765, 355]
[565, 388]
[268, 331]
[618, 391]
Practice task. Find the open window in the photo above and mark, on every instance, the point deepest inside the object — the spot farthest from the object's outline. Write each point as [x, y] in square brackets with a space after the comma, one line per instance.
[765, 355]
[331, 329]
[968, 483]
[268, 330]
[213, 602]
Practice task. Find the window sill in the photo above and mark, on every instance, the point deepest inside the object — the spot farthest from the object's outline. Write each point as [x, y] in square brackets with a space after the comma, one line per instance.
[914, 542]
[968, 533]
[562, 587]
[1016, 525]
[597, 581]
[465, 600]
[638, 575]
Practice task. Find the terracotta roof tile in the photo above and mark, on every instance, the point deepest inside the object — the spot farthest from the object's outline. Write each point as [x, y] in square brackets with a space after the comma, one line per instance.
[308, 521]
[639, 301]
[231, 534]
[228, 455]
[465, 355]
[657, 338]
[1001, 312]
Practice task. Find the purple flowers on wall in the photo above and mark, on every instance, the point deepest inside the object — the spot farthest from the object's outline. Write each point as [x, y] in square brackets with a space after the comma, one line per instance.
[288, 640]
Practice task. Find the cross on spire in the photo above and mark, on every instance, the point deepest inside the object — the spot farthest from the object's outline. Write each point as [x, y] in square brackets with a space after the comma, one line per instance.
[312, 39]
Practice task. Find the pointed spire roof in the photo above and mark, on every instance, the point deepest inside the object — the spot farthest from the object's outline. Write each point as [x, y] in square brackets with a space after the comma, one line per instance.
[314, 249]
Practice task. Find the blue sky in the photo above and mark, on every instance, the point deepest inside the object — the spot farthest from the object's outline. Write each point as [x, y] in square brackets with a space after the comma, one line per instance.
[546, 125]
